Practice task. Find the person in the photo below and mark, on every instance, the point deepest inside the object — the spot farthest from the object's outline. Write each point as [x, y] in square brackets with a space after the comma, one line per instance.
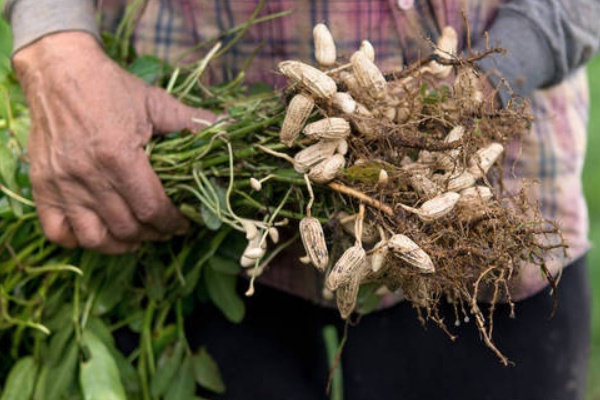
[94, 187]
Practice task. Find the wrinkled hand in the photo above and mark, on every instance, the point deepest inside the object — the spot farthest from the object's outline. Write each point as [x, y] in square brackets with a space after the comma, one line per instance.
[92, 181]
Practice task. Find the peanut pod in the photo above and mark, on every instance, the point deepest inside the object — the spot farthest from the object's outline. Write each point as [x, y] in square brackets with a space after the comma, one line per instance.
[313, 239]
[328, 128]
[325, 51]
[483, 159]
[315, 153]
[316, 82]
[408, 251]
[368, 75]
[326, 170]
[297, 114]
[346, 267]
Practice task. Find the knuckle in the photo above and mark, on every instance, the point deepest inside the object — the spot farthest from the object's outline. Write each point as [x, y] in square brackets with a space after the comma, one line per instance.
[59, 235]
[72, 168]
[150, 210]
[128, 232]
[91, 242]
[89, 238]
[110, 156]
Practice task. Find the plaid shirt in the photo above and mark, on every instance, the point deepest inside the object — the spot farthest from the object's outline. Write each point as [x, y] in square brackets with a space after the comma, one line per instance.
[552, 153]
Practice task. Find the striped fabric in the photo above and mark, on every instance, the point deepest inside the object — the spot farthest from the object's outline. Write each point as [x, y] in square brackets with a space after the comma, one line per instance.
[169, 28]
[552, 153]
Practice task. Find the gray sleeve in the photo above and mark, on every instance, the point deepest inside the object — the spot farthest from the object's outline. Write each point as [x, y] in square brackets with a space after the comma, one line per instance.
[545, 41]
[32, 19]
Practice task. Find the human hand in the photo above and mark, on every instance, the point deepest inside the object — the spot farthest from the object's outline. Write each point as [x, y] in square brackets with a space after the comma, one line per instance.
[92, 182]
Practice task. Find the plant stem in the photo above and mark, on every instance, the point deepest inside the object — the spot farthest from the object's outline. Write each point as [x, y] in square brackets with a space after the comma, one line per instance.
[146, 366]
[338, 187]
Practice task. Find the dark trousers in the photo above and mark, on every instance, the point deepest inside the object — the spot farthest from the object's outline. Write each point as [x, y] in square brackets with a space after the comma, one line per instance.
[278, 351]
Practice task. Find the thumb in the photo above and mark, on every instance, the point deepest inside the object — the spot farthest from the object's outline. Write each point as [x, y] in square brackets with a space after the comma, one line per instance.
[166, 114]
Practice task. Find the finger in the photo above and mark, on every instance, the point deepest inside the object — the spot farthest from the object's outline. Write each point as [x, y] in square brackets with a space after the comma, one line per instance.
[120, 220]
[53, 219]
[169, 115]
[92, 233]
[56, 226]
[145, 196]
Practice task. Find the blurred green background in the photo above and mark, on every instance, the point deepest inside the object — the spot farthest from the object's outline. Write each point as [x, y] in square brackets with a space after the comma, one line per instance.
[591, 180]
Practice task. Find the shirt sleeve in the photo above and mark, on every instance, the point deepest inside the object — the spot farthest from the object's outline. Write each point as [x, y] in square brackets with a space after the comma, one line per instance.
[33, 19]
[545, 40]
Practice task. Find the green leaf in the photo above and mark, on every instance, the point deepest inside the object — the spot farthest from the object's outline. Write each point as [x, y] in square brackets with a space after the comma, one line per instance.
[206, 372]
[21, 121]
[5, 67]
[236, 243]
[6, 211]
[99, 374]
[191, 280]
[60, 378]
[224, 265]
[19, 384]
[6, 38]
[222, 291]
[58, 342]
[89, 261]
[8, 166]
[62, 313]
[101, 331]
[119, 273]
[202, 252]
[129, 375]
[183, 387]
[168, 365]
[155, 287]
[147, 68]
[23, 176]
[211, 220]
[163, 338]
[9, 83]
[136, 320]
[40, 384]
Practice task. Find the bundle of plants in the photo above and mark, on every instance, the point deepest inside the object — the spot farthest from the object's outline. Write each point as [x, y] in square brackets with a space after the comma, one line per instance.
[392, 183]
[409, 169]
